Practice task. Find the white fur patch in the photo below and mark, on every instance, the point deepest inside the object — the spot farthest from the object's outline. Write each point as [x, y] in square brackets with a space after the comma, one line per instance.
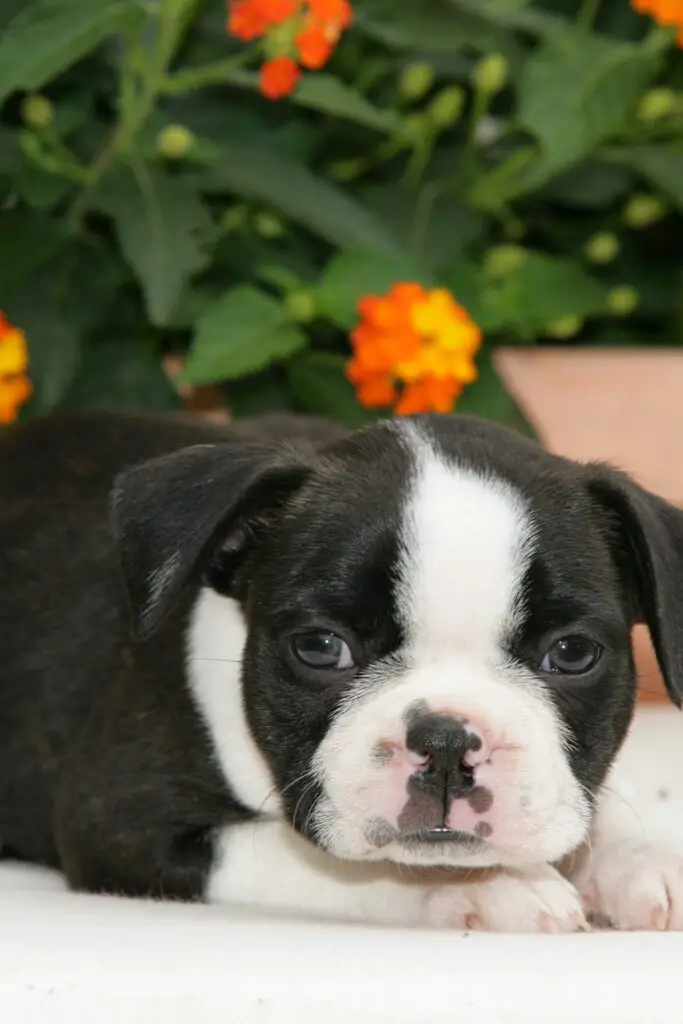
[627, 880]
[215, 645]
[266, 864]
[466, 544]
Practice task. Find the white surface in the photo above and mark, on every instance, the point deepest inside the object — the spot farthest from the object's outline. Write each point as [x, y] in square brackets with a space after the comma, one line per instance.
[67, 958]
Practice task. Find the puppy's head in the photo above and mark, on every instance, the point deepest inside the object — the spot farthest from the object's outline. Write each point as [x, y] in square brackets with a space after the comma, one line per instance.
[437, 664]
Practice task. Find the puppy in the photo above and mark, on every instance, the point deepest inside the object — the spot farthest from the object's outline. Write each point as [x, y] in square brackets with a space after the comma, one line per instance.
[381, 676]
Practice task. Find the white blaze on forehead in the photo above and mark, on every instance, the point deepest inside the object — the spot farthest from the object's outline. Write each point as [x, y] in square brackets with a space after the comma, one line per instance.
[466, 544]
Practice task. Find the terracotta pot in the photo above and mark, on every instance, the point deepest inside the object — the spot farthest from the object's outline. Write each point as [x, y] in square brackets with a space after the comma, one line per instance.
[620, 405]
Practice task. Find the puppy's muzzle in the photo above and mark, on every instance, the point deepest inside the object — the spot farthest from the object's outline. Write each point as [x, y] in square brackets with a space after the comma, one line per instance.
[446, 750]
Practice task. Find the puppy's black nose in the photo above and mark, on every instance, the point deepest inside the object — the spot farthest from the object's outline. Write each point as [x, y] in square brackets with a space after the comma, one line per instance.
[443, 742]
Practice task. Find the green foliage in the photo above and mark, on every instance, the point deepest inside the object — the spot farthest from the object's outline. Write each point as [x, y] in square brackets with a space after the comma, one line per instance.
[153, 203]
[242, 332]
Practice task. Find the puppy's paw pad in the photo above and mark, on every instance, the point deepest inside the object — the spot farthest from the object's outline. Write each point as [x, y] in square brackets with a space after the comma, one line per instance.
[638, 887]
[534, 901]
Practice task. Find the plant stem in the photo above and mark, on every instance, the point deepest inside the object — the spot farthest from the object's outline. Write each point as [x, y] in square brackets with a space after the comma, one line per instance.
[70, 166]
[217, 73]
[419, 159]
[423, 214]
[588, 14]
[480, 106]
[136, 107]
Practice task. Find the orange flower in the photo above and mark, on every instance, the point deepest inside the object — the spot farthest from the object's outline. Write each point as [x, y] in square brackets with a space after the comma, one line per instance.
[668, 13]
[417, 340]
[303, 30]
[15, 387]
[245, 21]
[315, 46]
[278, 77]
[337, 12]
[14, 391]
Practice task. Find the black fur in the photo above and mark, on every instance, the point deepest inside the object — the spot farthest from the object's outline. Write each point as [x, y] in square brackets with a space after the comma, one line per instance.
[105, 768]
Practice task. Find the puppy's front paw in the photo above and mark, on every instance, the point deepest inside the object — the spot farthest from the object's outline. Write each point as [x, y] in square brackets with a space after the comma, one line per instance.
[636, 886]
[534, 900]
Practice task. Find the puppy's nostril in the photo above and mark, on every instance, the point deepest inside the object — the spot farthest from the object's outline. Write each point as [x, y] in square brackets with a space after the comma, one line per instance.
[440, 744]
[426, 765]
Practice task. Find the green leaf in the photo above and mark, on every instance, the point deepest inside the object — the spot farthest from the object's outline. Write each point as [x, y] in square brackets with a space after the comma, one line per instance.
[123, 374]
[57, 307]
[297, 193]
[329, 95]
[468, 285]
[40, 189]
[436, 227]
[48, 36]
[164, 231]
[242, 332]
[54, 343]
[517, 14]
[488, 397]
[577, 90]
[356, 272]
[591, 185]
[661, 165]
[433, 26]
[318, 385]
[541, 290]
[11, 156]
[27, 241]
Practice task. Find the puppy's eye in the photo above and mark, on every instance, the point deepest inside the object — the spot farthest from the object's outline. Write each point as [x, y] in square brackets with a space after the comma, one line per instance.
[572, 656]
[322, 650]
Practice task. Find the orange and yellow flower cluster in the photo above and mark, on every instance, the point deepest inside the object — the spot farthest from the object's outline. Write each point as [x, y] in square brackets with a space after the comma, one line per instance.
[668, 13]
[15, 387]
[414, 349]
[299, 33]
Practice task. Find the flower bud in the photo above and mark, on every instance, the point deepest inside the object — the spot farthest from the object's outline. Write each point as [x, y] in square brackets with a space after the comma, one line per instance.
[643, 210]
[347, 170]
[416, 80]
[234, 218]
[174, 142]
[622, 300]
[503, 260]
[491, 74]
[656, 104]
[413, 128]
[300, 306]
[37, 111]
[267, 225]
[602, 247]
[446, 108]
[564, 328]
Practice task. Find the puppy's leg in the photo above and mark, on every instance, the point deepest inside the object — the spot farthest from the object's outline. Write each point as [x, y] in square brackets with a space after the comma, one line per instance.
[267, 865]
[532, 899]
[626, 880]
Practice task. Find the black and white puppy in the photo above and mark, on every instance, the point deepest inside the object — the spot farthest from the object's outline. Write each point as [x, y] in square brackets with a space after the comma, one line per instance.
[382, 676]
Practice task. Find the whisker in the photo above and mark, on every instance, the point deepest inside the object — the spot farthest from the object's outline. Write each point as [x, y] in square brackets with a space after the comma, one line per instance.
[304, 793]
[627, 803]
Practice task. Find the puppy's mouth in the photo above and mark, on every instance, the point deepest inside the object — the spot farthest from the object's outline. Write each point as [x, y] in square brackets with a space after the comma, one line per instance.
[439, 836]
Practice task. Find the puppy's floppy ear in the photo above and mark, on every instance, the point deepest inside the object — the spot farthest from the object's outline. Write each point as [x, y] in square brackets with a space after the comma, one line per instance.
[646, 534]
[170, 513]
